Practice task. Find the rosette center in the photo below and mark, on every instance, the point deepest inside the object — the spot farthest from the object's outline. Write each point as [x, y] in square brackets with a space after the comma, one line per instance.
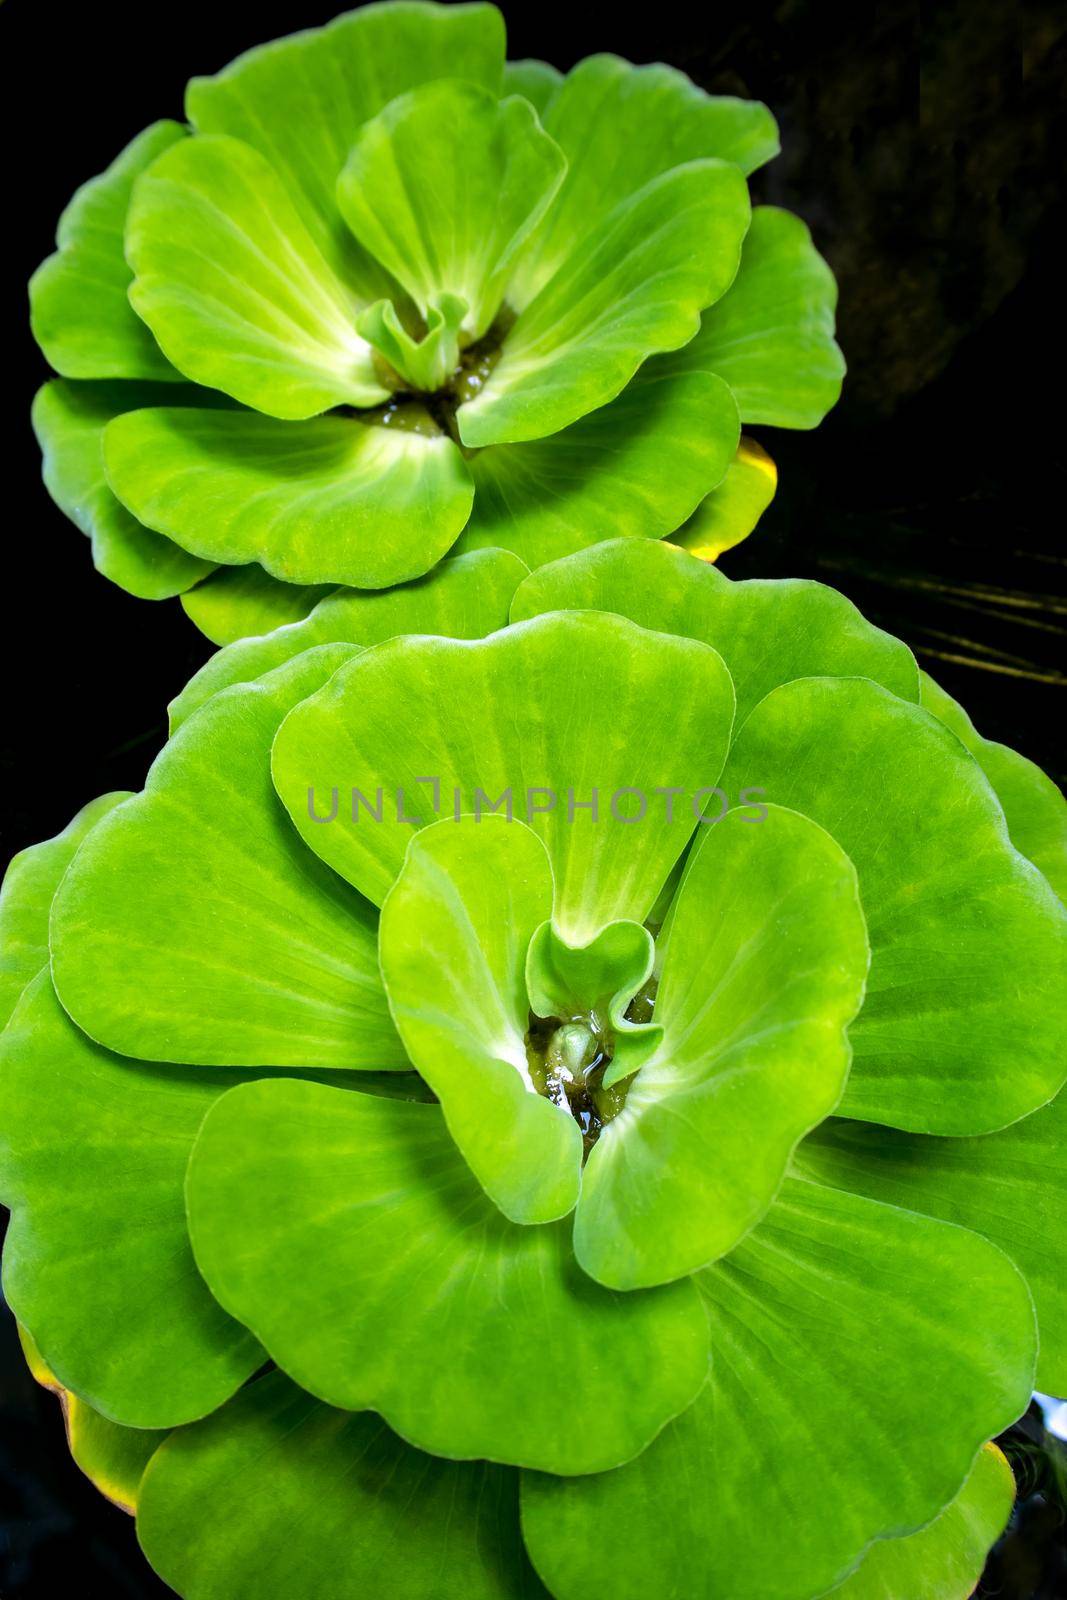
[567, 1060]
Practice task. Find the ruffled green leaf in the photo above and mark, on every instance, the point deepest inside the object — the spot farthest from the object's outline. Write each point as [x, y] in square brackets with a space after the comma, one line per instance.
[328, 501]
[544, 714]
[732, 510]
[833, 1324]
[197, 928]
[444, 187]
[636, 467]
[564, 980]
[425, 363]
[302, 101]
[79, 310]
[536, 81]
[454, 934]
[349, 1234]
[69, 420]
[235, 602]
[620, 126]
[768, 631]
[236, 290]
[30, 881]
[290, 1498]
[636, 286]
[772, 336]
[1034, 807]
[963, 1025]
[944, 1560]
[763, 970]
[464, 597]
[97, 1261]
[1010, 1186]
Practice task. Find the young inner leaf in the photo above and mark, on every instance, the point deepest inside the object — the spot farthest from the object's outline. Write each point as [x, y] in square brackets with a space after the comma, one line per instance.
[568, 1057]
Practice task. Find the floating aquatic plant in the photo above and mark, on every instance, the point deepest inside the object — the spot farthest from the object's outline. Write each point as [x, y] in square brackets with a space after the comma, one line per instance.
[384, 295]
[562, 1108]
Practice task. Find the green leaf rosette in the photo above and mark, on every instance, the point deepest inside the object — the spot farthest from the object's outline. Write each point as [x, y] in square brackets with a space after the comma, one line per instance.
[554, 1088]
[383, 295]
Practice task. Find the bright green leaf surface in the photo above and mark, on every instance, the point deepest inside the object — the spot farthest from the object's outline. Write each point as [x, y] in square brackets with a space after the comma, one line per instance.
[945, 1560]
[1035, 810]
[768, 631]
[637, 286]
[635, 468]
[197, 928]
[464, 597]
[234, 287]
[69, 420]
[302, 101]
[536, 81]
[290, 1500]
[1010, 1186]
[30, 881]
[330, 500]
[620, 126]
[732, 510]
[454, 933]
[833, 1324]
[548, 712]
[348, 1232]
[772, 336]
[443, 188]
[763, 970]
[97, 1262]
[963, 1025]
[79, 310]
[235, 602]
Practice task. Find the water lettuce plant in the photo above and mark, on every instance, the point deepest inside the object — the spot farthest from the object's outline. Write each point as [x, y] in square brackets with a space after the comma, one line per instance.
[563, 1108]
[384, 295]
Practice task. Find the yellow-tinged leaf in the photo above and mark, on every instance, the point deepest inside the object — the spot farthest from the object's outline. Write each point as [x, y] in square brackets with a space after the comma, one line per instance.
[731, 511]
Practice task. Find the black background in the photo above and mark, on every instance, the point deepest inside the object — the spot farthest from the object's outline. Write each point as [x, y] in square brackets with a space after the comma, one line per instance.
[925, 150]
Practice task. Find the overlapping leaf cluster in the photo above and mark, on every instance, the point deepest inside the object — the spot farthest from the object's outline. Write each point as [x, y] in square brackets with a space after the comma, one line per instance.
[692, 1183]
[384, 292]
